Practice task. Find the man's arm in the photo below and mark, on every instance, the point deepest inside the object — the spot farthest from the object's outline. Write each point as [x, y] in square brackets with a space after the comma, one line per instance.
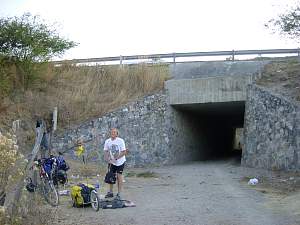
[106, 152]
[106, 155]
[122, 153]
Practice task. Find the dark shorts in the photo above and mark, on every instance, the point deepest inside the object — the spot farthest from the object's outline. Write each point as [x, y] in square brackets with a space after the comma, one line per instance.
[117, 169]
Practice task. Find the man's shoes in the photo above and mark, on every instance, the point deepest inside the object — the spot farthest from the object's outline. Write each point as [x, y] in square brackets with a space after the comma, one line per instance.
[118, 196]
[109, 195]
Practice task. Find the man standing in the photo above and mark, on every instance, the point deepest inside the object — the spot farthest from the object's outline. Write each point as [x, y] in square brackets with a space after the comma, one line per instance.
[114, 154]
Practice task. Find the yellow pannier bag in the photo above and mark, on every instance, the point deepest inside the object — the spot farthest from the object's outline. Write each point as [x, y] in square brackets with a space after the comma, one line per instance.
[80, 194]
[76, 196]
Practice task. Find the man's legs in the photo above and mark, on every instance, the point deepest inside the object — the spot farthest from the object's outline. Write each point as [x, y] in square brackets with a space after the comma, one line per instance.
[118, 170]
[111, 188]
[120, 179]
[120, 182]
[110, 194]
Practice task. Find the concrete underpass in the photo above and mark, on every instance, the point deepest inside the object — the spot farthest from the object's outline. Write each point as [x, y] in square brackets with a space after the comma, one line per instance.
[212, 127]
[208, 113]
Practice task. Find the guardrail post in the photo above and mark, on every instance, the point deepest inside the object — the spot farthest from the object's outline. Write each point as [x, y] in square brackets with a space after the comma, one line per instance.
[259, 75]
[121, 61]
[174, 58]
[232, 55]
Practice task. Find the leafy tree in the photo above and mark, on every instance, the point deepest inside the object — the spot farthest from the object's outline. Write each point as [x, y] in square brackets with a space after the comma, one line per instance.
[28, 38]
[27, 41]
[287, 24]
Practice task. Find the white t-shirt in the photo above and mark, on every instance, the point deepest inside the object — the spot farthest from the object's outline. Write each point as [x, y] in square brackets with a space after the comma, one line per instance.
[115, 147]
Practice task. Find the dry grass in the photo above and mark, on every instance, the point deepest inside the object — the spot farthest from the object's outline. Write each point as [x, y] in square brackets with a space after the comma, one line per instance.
[90, 169]
[82, 92]
[93, 91]
[279, 182]
[282, 77]
[31, 210]
[37, 213]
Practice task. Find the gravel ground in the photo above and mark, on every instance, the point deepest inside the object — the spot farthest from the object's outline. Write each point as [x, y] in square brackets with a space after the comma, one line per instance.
[204, 193]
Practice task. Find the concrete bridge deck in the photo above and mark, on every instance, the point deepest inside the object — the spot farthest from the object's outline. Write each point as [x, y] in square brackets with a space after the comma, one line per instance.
[208, 90]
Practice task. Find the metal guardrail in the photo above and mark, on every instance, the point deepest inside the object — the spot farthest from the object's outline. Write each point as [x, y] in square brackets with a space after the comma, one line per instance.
[174, 55]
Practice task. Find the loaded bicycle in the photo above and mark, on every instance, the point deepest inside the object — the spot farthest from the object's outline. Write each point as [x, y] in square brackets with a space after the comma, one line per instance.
[45, 185]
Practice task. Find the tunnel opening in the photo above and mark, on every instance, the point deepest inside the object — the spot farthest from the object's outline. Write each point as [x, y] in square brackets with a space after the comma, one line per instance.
[214, 130]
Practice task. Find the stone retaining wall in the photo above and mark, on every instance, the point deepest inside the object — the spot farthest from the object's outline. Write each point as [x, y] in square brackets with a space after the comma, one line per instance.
[271, 131]
[141, 124]
[154, 132]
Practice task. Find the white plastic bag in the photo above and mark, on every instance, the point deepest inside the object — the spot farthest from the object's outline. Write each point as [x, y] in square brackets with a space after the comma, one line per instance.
[253, 181]
[64, 192]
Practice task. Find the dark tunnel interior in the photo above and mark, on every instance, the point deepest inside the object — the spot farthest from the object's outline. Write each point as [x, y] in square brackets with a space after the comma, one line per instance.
[213, 127]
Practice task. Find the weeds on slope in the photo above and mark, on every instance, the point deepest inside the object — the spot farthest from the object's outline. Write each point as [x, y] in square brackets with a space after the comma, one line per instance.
[282, 77]
[82, 92]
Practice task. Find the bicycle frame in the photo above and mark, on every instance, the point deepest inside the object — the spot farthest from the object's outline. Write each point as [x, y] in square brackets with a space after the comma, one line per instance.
[43, 173]
[46, 186]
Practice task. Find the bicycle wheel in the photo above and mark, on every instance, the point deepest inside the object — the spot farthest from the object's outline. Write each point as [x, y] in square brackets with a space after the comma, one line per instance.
[49, 192]
[95, 201]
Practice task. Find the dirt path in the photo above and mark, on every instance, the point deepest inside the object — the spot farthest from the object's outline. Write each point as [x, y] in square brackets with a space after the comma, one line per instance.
[204, 193]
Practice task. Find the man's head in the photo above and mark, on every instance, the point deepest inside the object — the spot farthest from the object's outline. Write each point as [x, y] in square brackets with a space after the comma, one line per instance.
[114, 133]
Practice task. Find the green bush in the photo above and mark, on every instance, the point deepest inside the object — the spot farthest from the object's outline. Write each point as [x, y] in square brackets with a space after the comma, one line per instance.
[26, 42]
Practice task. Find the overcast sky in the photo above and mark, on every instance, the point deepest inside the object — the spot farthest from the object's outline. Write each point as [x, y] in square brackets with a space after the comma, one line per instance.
[128, 27]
